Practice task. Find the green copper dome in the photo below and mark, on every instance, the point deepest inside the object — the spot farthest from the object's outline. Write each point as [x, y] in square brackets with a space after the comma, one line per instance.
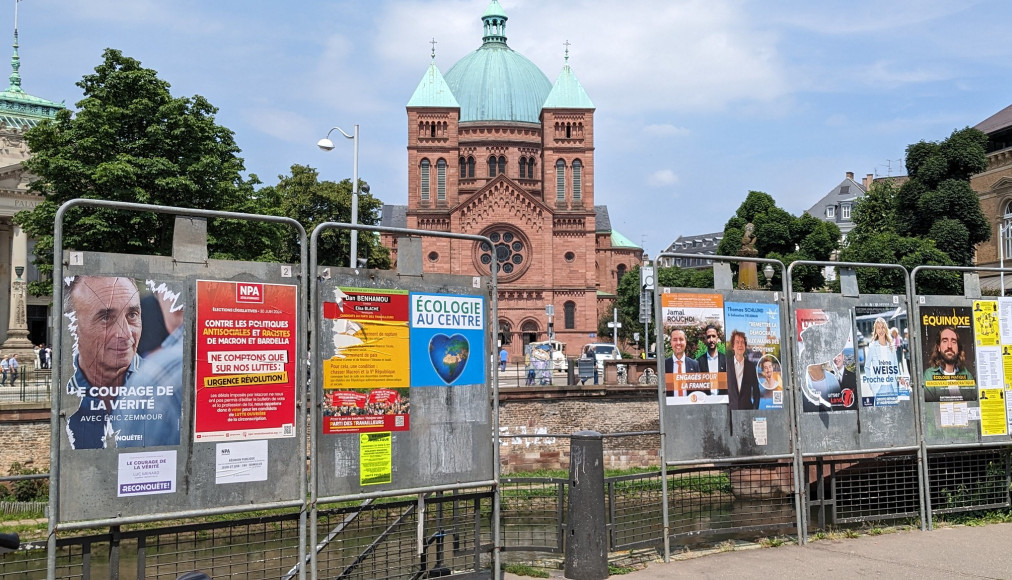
[496, 83]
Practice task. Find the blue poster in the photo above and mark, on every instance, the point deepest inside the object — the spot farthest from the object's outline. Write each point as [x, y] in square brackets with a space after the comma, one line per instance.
[447, 340]
[753, 336]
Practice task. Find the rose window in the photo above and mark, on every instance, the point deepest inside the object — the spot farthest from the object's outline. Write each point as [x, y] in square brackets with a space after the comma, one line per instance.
[509, 251]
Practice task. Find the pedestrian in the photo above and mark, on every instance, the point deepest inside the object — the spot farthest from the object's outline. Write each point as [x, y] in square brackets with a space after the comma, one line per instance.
[38, 359]
[48, 361]
[13, 363]
[5, 369]
[503, 356]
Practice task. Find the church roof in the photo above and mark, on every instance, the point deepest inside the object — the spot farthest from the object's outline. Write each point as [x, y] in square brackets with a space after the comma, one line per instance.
[394, 216]
[496, 83]
[601, 219]
[620, 241]
[432, 91]
[568, 93]
[18, 108]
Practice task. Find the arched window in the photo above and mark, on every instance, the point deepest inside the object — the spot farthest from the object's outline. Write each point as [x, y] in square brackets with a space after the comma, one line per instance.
[619, 272]
[569, 131]
[491, 166]
[530, 168]
[577, 180]
[441, 180]
[463, 167]
[424, 179]
[470, 166]
[523, 168]
[569, 312]
[502, 164]
[505, 331]
[560, 180]
[1006, 237]
[432, 130]
[530, 332]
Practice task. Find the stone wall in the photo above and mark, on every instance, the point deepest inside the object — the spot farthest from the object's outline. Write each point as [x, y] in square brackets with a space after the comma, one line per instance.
[549, 414]
[24, 435]
[534, 425]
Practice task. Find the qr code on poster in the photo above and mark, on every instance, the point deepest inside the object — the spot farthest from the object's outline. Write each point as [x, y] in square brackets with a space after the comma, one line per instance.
[399, 421]
[778, 397]
[287, 429]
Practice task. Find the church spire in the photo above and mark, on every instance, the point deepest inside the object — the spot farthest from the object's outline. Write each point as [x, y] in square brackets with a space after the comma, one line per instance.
[15, 77]
[494, 22]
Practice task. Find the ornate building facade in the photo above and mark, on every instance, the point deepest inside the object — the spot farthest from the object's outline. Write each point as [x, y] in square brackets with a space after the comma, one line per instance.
[994, 188]
[496, 149]
[27, 317]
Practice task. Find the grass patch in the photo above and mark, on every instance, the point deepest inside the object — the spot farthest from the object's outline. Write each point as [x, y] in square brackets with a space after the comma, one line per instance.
[774, 542]
[618, 570]
[525, 570]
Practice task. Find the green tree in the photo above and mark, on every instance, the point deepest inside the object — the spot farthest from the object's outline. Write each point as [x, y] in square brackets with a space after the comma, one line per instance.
[303, 197]
[937, 202]
[784, 237]
[132, 141]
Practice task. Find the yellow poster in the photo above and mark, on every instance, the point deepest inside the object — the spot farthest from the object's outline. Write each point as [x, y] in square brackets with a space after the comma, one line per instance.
[375, 463]
[985, 322]
[1006, 363]
[370, 341]
[992, 412]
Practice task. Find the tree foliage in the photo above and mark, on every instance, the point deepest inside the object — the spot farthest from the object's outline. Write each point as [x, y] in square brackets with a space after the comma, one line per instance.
[937, 202]
[932, 219]
[304, 198]
[781, 236]
[132, 141]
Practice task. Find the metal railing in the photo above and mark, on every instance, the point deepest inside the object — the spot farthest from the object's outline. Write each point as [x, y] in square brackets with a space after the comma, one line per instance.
[30, 386]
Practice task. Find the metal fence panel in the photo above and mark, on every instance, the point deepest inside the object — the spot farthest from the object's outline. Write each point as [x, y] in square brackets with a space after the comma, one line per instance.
[98, 459]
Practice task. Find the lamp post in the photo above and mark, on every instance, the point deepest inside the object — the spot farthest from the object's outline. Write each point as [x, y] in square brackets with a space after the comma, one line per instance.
[768, 274]
[327, 145]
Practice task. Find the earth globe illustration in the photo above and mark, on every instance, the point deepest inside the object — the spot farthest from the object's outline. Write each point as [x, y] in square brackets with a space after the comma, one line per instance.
[449, 355]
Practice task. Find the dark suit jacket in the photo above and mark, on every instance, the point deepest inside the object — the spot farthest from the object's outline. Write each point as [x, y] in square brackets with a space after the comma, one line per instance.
[746, 395]
[721, 363]
[691, 366]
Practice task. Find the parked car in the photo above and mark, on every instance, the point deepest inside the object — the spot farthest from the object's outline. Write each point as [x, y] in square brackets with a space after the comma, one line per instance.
[604, 351]
[559, 361]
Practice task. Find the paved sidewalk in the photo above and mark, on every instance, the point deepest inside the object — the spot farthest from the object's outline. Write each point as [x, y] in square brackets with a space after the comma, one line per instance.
[950, 552]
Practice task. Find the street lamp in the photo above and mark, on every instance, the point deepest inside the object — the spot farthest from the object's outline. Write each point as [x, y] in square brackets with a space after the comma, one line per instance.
[768, 273]
[327, 145]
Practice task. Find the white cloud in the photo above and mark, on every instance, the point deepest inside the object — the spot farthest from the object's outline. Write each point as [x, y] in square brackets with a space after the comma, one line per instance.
[284, 125]
[662, 178]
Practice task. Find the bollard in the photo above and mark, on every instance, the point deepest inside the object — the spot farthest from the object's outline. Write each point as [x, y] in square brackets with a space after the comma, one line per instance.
[586, 532]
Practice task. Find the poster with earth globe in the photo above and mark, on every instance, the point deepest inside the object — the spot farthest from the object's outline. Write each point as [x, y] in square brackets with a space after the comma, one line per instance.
[447, 340]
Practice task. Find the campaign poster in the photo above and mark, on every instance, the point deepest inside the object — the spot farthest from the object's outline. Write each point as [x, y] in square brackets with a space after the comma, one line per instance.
[688, 377]
[985, 323]
[147, 473]
[246, 360]
[754, 372]
[126, 341]
[447, 339]
[366, 383]
[948, 354]
[885, 380]
[823, 336]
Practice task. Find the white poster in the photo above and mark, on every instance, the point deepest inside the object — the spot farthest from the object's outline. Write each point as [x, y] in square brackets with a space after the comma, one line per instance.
[146, 473]
[240, 461]
[1005, 319]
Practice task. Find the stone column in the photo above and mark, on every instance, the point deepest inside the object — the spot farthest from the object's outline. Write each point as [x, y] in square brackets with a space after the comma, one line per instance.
[17, 327]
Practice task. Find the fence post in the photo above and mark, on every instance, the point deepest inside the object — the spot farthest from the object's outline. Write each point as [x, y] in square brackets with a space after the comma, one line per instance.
[586, 540]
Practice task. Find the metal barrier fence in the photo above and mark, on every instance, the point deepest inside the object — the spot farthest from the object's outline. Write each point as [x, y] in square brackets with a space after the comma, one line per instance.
[30, 386]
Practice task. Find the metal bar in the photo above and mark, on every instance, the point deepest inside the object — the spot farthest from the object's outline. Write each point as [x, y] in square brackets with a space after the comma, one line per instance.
[402, 492]
[872, 451]
[729, 461]
[185, 514]
[375, 543]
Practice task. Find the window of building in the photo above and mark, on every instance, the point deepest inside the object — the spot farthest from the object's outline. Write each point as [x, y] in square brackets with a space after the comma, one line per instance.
[425, 180]
[523, 168]
[530, 167]
[441, 180]
[577, 180]
[569, 131]
[432, 130]
[470, 167]
[569, 256]
[1006, 233]
[619, 272]
[491, 166]
[569, 315]
[433, 256]
[509, 252]
[560, 180]
[845, 212]
[502, 164]
[463, 167]
[830, 211]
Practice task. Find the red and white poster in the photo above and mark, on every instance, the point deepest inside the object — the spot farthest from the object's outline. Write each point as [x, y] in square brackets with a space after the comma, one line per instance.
[245, 368]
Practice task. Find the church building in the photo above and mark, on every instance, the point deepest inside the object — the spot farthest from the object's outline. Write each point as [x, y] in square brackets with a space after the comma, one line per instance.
[496, 149]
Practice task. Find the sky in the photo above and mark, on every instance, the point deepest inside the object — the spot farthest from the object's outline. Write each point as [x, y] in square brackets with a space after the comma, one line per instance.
[698, 101]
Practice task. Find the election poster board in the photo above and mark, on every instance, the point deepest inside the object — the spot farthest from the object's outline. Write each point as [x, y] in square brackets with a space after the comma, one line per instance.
[245, 360]
[126, 342]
